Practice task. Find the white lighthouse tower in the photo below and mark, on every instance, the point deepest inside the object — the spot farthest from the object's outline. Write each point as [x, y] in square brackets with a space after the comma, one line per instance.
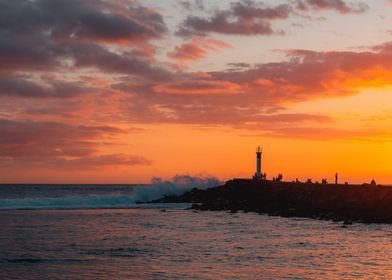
[258, 163]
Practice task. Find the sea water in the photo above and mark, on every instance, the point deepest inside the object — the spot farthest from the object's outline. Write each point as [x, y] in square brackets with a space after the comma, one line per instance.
[101, 241]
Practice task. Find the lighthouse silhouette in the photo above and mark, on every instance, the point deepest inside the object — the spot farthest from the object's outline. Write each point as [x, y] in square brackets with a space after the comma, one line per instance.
[258, 163]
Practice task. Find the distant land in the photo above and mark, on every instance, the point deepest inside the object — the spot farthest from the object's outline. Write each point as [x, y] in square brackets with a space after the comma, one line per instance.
[366, 203]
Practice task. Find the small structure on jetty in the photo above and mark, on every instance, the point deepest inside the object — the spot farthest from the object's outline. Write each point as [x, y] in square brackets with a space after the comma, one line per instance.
[258, 175]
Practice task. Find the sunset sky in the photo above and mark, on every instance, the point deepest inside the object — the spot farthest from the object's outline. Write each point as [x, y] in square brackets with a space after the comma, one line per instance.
[122, 91]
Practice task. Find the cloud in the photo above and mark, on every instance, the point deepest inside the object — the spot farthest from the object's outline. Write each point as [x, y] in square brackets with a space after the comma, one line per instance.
[255, 96]
[57, 144]
[95, 56]
[325, 133]
[248, 17]
[196, 87]
[113, 41]
[21, 87]
[310, 74]
[338, 5]
[209, 103]
[196, 49]
[90, 162]
[242, 18]
[235, 66]
[65, 20]
[192, 5]
[66, 34]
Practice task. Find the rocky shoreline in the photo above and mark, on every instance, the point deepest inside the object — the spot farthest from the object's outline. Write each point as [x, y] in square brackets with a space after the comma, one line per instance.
[348, 203]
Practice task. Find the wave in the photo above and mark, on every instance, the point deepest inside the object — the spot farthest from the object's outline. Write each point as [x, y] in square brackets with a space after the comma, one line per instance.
[68, 202]
[142, 194]
[178, 185]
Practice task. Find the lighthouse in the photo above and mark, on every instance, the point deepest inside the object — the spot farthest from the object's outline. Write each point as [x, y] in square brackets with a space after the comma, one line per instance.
[258, 163]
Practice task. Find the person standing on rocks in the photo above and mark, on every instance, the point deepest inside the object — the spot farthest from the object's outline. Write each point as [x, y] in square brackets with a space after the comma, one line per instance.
[336, 178]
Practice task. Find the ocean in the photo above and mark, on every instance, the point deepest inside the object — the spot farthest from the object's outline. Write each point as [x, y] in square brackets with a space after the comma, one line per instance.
[99, 232]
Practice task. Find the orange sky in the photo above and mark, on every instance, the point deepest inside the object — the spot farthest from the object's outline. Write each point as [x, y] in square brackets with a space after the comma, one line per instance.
[123, 91]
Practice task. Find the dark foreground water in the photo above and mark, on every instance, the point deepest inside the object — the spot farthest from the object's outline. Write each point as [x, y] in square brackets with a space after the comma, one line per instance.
[154, 243]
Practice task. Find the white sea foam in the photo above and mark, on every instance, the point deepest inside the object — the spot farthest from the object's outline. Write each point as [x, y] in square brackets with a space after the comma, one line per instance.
[158, 188]
[178, 185]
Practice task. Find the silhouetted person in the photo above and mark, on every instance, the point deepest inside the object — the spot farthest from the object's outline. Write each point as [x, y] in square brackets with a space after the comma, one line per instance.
[336, 178]
[373, 183]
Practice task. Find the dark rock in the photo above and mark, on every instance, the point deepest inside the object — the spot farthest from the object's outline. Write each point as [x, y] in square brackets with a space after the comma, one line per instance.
[348, 203]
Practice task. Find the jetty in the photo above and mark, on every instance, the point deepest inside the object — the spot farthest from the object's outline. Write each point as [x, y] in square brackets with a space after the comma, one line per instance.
[367, 203]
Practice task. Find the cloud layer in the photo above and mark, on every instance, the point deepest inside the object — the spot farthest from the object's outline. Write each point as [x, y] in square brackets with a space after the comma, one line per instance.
[242, 18]
[58, 145]
[249, 17]
[340, 6]
[72, 72]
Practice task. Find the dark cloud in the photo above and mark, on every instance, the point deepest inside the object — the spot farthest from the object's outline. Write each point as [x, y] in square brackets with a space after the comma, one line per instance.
[17, 86]
[340, 6]
[27, 51]
[88, 55]
[44, 35]
[242, 18]
[79, 19]
[192, 5]
[248, 17]
[239, 65]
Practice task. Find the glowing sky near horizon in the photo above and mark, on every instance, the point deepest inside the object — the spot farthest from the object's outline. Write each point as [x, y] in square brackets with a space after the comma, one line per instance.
[122, 91]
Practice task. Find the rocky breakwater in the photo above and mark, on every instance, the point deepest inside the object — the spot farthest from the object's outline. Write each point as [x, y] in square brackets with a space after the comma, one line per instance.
[348, 203]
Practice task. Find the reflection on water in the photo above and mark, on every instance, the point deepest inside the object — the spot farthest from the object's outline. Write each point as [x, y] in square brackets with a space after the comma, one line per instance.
[178, 244]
